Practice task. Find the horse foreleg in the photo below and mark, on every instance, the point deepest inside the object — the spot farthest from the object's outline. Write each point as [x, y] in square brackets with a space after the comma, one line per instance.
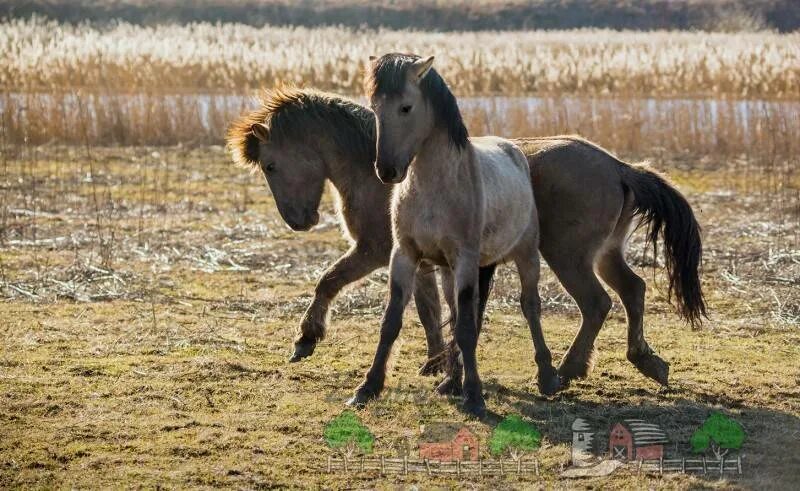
[467, 285]
[356, 263]
[451, 385]
[401, 284]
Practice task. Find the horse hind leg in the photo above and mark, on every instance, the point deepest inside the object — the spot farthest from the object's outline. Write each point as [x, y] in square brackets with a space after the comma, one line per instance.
[580, 281]
[426, 297]
[528, 266]
[615, 271]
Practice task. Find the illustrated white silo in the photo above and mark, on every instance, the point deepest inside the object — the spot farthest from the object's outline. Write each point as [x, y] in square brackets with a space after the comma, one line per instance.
[582, 437]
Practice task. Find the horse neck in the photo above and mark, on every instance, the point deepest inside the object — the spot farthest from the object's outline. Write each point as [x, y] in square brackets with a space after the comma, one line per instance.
[439, 161]
[349, 172]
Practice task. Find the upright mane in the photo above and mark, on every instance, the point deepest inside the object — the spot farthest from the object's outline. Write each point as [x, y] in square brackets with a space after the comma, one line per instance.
[388, 77]
[294, 114]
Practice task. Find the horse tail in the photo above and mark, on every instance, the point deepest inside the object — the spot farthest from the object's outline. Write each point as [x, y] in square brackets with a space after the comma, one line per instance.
[664, 211]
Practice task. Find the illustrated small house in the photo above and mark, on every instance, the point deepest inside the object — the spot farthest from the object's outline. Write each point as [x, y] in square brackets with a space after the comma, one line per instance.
[448, 442]
[633, 439]
[582, 437]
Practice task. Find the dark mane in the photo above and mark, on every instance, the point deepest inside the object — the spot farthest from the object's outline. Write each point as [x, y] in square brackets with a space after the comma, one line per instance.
[293, 114]
[388, 76]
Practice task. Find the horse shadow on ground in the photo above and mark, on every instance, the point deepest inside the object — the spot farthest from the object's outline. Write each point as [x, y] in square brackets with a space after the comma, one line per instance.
[770, 453]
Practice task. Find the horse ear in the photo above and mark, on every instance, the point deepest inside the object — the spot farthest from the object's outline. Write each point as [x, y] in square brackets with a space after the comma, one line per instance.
[260, 131]
[422, 67]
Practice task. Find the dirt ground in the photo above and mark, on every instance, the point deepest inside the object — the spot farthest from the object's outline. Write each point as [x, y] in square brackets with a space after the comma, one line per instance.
[149, 297]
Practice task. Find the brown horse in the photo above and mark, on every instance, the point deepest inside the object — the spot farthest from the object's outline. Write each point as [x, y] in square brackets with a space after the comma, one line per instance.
[301, 138]
[588, 203]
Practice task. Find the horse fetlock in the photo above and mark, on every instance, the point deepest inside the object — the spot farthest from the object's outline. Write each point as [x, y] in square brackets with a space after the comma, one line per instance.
[549, 381]
[474, 404]
[303, 348]
[638, 350]
[313, 327]
[450, 386]
[365, 392]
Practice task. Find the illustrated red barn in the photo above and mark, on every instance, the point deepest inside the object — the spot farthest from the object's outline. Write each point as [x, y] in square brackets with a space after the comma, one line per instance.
[448, 442]
[633, 439]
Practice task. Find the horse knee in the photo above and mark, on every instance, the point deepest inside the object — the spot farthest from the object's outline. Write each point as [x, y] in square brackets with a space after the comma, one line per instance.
[393, 315]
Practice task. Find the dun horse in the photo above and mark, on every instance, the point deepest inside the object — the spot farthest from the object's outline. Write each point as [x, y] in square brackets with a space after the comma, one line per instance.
[463, 203]
[587, 201]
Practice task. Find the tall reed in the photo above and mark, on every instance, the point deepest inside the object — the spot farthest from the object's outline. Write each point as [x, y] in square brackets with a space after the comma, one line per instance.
[36, 55]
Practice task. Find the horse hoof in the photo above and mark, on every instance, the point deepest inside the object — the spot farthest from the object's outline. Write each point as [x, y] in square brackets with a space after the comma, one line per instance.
[449, 387]
[302, 349]
[550, 382]
[360, 399]
[652, 366]
[475, 406]
[432, 366]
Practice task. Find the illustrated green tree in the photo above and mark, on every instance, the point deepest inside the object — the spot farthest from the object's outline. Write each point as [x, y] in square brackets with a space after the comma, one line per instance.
[348, 434]
[515, 436]
[718, 433]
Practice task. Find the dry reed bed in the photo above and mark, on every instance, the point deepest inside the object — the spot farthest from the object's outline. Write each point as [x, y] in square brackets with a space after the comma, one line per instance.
[48, 56]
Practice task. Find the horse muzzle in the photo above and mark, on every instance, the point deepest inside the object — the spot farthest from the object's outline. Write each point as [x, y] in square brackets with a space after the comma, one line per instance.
[391, 174]
[302, 222]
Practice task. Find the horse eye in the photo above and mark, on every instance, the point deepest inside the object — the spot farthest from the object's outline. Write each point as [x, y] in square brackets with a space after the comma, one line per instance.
[269, 167]
[405, 109]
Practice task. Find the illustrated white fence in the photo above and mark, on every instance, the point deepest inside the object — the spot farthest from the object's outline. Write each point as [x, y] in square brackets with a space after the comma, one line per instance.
[492, 467]
[702, 466]
[430, 467]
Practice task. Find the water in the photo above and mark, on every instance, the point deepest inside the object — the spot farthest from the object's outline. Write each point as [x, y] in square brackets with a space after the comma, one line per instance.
[648, 116]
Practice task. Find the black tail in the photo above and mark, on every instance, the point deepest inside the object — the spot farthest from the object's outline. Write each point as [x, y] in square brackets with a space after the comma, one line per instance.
[666, 213]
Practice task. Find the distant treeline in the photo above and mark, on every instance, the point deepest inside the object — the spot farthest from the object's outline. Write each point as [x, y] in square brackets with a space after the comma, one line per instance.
[718, 15]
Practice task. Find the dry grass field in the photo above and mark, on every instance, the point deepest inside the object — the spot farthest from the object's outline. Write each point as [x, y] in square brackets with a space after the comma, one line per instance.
[150, 296]
[149, 291]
